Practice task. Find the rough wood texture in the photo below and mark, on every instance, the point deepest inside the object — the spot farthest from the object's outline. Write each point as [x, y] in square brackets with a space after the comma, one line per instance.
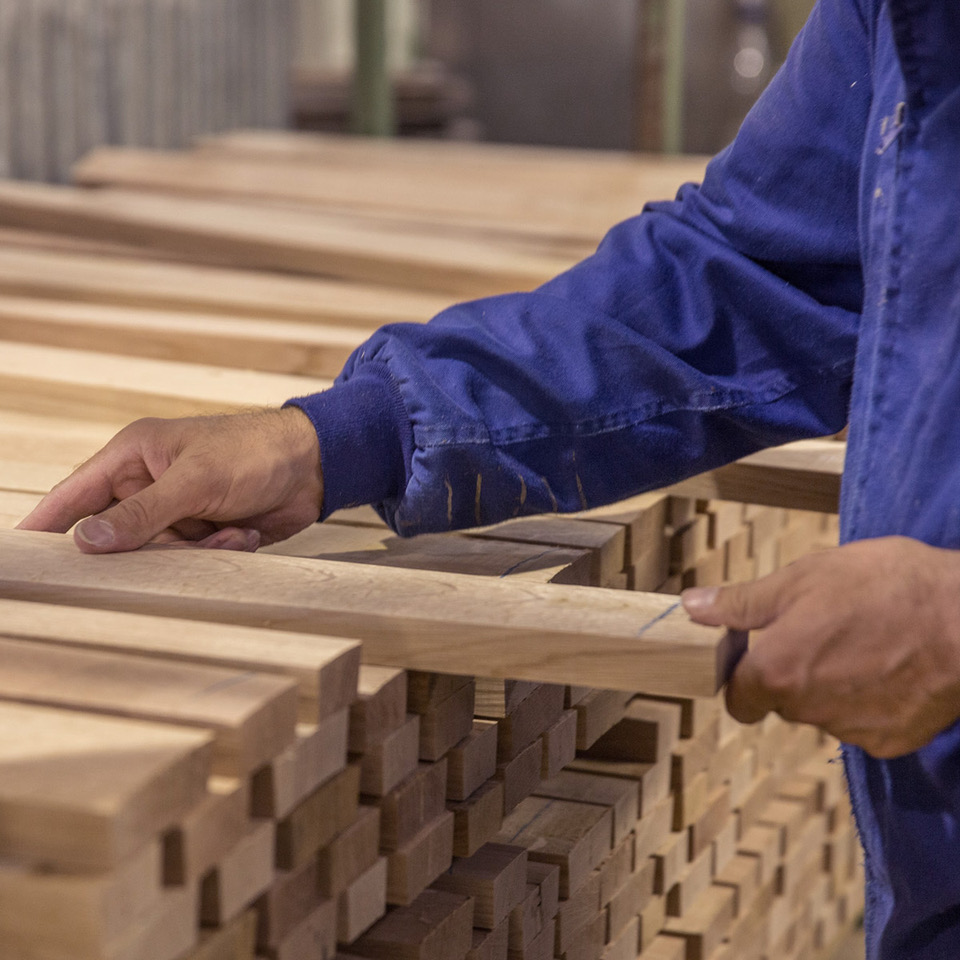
[548, 632]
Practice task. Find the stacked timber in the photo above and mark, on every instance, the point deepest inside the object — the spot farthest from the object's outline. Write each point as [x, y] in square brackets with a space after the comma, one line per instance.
[76, 74]
[530, 761]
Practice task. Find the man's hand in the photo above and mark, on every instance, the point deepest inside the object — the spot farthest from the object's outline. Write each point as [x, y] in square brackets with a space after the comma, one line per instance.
[229, 482]
[862, 640]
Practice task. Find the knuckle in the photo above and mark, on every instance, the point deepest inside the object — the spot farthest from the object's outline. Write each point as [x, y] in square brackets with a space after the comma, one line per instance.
[737, 602]
[135, 513]
[782, 678]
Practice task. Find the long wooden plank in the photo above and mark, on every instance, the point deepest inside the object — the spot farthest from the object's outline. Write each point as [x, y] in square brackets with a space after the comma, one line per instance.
[325, 668]
[125, 913]
[291, 241]
[536, 166]
[274, 346]
[80, 276]
[252, 715]
[441, 551]
[103, 386]
[581, 207]
[804, 475]
[447, 623]
[84, 792]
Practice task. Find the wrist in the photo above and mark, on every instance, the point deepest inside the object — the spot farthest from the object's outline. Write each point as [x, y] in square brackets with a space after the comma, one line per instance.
[301, 448]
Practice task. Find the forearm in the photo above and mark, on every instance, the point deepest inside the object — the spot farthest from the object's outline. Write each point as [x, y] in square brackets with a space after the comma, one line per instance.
[702, 330]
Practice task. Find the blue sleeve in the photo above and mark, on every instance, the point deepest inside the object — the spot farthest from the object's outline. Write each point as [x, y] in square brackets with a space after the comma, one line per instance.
[701, 330]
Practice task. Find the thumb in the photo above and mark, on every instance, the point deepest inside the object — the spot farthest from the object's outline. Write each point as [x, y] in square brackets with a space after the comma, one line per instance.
[742, 606]
[135, 521]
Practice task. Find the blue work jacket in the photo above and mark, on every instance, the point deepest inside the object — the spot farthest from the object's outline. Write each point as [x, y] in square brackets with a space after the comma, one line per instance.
[814, 277]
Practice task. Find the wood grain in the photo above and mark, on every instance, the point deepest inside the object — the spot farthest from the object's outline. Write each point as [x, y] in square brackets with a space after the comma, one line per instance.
[325, 668]
[560, 634]
[289, 241]
[189, 287]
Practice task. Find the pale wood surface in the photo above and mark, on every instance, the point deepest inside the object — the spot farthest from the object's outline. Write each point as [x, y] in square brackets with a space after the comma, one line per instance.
[290, 241]
[577, 201]
[85, 792]
[252, 715]
[153, 284]
[103, 386]
[273, 346]
[802, 476]
[325, 668]
[547, 632]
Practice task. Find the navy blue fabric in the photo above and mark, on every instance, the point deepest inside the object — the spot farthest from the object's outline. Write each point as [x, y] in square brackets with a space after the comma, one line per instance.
[813, 276]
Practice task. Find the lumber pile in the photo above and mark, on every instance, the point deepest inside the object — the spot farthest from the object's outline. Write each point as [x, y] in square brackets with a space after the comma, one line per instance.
[501, 743]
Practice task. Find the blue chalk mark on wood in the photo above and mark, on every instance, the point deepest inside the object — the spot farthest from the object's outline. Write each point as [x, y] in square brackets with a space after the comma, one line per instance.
[666, 613]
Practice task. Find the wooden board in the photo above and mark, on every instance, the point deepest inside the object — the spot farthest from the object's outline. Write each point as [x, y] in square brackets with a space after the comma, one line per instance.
[157, 285]
[804, 475]
[274, 346]
[577, 193]
[102, 386]
[325, 668]
[454, 553]
[605, 542]
[289, 241]
[547, 632]
[84, 792]
[252, 715]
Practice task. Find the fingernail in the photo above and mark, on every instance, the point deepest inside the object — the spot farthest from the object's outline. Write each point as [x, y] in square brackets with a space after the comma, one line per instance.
[222, 540]
[697, 599]
[96, 532]
[253, 540]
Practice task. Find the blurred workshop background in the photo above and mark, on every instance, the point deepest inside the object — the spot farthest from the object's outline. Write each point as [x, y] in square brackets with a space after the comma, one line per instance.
[655, 75]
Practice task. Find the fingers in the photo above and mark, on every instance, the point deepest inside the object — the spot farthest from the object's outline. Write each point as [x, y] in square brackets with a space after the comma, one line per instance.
[742, 606]
[139, 518]
[748, 697]
[232, 538]
[86, 491]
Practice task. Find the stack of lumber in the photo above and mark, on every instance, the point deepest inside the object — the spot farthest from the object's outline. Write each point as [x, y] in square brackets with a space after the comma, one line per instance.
[500, 743]
[75, 74]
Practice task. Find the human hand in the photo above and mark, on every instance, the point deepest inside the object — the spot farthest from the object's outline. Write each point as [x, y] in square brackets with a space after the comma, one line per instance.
[228, 482]
[861, 640]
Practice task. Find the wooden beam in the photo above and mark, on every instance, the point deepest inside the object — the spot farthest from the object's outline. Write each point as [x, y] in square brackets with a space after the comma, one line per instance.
[146, 284]
[290, 241]
[447, 623]
[325, 668]
[799, 476]
[580, 205]
[102, 386]
[83, 792]
[453, 553]
[252, 715]
[275, 346]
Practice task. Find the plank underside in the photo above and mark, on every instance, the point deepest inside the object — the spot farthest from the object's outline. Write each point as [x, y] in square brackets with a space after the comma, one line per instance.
[448, 623]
